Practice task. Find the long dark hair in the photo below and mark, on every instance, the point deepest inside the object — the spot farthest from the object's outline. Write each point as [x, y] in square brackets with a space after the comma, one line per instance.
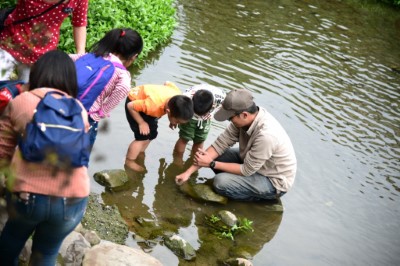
[124, 42]
[55, 69]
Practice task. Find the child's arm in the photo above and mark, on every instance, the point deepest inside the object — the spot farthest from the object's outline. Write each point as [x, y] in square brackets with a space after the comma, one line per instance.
[143, 125]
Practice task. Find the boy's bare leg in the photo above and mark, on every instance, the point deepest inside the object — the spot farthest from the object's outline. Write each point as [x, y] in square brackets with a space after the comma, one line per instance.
[179, 150]
[196, 147]
[136, 147]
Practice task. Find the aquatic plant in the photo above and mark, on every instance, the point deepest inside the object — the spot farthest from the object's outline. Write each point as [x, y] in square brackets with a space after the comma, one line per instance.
[222, 230]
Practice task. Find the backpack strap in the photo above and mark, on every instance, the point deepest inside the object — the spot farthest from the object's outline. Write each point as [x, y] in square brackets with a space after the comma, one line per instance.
[121, 66]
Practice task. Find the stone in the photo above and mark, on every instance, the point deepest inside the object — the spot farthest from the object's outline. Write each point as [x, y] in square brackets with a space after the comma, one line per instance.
[92, 237]
[180, 247]
[228, 218]
[73, 249]
[110, 254]
[113, 179]
[202, 192]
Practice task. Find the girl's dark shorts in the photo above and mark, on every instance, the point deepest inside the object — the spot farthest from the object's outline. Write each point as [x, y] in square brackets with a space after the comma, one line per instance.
[152, 121]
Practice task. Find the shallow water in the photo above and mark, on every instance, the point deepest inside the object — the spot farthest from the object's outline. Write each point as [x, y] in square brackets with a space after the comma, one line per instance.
[329, 72]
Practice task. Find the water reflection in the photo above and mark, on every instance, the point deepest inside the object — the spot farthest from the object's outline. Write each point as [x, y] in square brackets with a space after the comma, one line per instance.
[327, 71]
[173, 211]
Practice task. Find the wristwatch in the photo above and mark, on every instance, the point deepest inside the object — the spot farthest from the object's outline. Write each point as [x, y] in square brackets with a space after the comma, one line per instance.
[212, 165]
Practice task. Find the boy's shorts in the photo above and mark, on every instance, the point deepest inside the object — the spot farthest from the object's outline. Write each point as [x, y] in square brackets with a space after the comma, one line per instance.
[151, 120]
[195, 130]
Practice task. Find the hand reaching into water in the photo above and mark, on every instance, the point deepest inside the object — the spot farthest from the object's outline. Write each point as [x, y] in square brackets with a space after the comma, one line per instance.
[182, 178]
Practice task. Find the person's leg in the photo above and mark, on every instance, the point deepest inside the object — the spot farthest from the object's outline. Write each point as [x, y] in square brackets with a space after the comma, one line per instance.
[136, 147]
[64, 215]
[200, 135]
[186, 134]
[7, 65]
[197, 146]
[246, 188]
[23, 217]
[179, 150]
[141, 142]
[93, 131]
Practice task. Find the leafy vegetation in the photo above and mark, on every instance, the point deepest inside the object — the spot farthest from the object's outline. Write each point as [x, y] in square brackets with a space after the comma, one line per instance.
[153, 19]
[224, 231]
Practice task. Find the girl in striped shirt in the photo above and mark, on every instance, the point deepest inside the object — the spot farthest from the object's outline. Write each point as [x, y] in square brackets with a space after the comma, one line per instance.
[121, 46]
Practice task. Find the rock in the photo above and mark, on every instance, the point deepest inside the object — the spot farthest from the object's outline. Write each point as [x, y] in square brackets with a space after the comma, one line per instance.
[180, 247]
[202, 192]
[114, 179]
[73, 249]
[92, 238]
[228, 218]
[110, 254]
[238, 262]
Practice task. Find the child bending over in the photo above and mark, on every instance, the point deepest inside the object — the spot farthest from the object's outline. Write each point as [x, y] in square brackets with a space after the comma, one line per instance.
[207, 100]
[144, 106]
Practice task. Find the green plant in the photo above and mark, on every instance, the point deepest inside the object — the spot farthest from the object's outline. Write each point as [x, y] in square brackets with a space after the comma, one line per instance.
[153, 19]
[222, 230]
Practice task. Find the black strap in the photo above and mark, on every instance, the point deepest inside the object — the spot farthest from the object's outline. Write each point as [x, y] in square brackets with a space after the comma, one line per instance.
[38, 15]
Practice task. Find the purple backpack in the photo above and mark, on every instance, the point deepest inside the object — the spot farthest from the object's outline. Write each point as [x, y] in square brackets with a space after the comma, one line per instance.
[94, 72]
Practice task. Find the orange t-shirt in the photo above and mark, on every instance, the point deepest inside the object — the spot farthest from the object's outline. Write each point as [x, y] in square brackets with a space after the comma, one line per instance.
[151, 99]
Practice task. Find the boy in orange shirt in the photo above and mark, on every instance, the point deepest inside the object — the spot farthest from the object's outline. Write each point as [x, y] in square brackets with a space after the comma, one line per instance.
[144, 106]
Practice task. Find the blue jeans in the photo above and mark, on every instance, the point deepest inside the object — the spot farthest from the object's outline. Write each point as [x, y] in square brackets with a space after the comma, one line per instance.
[93, 131]
[49, 219]
[245, 188]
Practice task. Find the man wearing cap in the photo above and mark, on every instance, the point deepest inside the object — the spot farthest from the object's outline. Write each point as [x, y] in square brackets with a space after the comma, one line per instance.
[262, 167]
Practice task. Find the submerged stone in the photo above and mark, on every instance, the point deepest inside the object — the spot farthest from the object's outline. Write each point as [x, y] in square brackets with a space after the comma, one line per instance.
[228, 218]
[114, 179]
[180, 247]
[202, 192]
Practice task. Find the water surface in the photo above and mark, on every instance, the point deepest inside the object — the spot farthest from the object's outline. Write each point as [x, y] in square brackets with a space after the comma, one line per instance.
[329, 72]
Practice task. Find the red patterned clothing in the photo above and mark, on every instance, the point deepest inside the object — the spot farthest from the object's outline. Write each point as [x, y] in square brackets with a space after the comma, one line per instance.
[27, 41]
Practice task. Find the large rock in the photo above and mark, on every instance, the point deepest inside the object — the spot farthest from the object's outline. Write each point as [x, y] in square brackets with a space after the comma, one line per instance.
[73, 249]
[114, 179]
[202, 192]
[110, 254]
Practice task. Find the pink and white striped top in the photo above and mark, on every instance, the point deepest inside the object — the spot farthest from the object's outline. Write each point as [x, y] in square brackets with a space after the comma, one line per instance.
[116, 90]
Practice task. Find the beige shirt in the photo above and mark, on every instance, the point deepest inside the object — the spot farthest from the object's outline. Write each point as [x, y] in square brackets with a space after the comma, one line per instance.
[265, 148]
[35, 177]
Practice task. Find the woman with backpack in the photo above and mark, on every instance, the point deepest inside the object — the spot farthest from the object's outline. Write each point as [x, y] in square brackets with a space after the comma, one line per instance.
[46, 197]
[103, 80]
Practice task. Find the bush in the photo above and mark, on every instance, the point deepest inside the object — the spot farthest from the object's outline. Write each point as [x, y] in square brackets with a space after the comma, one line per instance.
[153, 19]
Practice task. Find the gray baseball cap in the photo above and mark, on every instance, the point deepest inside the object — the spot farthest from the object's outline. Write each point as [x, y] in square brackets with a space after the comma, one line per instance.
[236, 101]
